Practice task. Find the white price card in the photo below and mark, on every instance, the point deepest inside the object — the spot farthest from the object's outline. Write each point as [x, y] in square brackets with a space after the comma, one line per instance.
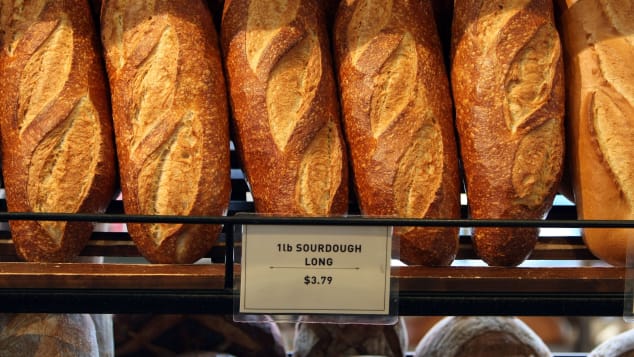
[315, 269]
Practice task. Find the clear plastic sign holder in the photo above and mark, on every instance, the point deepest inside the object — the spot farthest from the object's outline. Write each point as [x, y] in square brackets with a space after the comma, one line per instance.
[322, 273]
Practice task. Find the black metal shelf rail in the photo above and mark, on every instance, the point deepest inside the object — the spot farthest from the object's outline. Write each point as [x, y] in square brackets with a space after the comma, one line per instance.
[338, 220]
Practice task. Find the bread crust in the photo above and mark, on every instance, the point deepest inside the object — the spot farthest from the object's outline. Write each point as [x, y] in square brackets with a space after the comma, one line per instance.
[508, 85]
[285, 108]
[171, 122]
[398, 121]
[26, 334]
[458, 336]
[599, 43]
[58, 153]
[349, 339]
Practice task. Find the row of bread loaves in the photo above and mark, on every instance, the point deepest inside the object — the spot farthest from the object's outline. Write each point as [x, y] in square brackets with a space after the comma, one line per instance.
[396, 122]
[379, 104]
[507, 80]
[170, 122]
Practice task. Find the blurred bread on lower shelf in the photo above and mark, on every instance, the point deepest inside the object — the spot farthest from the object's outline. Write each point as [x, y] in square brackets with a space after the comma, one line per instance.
[476, 336]
[621, 345]
[195, 335]
[557, 332]
[43, 335]
[611, 337]
[331, 339]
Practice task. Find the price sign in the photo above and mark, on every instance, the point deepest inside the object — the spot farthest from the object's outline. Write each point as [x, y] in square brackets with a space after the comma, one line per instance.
[315, 269]
[318, 280]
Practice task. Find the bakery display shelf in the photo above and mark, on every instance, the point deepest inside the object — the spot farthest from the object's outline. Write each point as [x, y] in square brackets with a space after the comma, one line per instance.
[125, 282]
[201, 288]
[561, 277]
[561, 291]
[93, 287]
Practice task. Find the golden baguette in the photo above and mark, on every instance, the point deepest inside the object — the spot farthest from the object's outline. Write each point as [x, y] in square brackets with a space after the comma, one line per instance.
[58, 154]
[285, 106]
[398, 121]
[508, 86]
[171, 121]
[599, 43]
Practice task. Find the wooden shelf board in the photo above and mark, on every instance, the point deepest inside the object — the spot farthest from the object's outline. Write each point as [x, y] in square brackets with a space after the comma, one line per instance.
[111, 276]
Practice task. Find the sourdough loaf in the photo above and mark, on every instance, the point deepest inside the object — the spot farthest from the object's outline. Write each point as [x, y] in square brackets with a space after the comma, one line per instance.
[41, 335]
[554, 331]
[171, 121]
[285, 107]
[599, 47]
[398, 121]
[58, 154]
[480, 336]
[508, 85]
[332, 339]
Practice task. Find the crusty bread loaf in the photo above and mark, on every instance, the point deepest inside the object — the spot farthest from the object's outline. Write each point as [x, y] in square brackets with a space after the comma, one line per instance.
[285, 106]
[171, 122]
[41, 335]
[58, 154]
[599, 46]
[398, 121]
[508, 85]
[332, 339]
[480, 336]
